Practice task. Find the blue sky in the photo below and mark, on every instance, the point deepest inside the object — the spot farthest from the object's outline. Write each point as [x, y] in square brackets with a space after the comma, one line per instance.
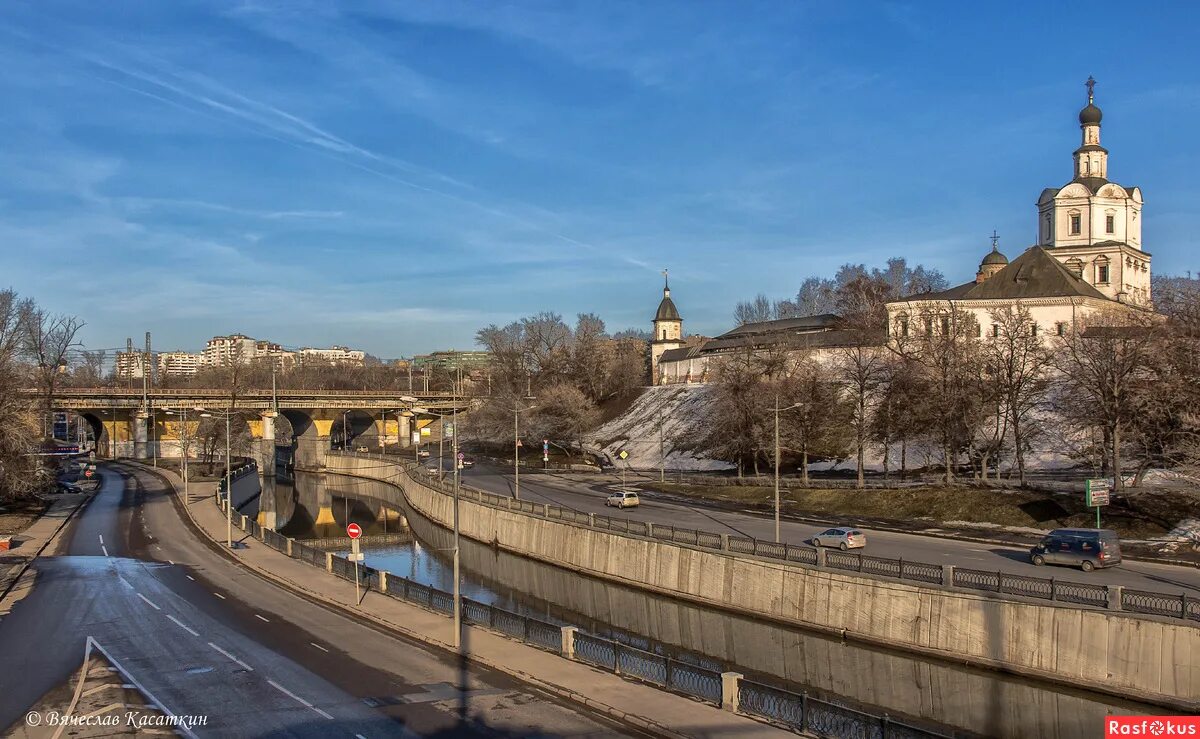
[396, 175]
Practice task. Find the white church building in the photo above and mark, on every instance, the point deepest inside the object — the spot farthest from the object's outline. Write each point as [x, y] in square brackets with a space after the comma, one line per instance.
[1088, 257]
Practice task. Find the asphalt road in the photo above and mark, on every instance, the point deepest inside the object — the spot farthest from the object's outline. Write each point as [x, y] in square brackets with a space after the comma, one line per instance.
[208, 638]
[587, 494]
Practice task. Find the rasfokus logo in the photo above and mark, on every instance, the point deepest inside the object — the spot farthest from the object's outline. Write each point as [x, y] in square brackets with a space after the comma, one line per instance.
[1165, 726]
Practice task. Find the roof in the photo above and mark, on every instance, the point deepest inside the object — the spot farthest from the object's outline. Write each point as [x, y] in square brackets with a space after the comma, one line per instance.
[1034, 274]
[800, 324]
[994, 257]
[667, 310]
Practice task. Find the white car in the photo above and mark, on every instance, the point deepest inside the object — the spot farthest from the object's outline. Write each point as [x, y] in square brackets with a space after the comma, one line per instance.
[623, 499]
[842, 538]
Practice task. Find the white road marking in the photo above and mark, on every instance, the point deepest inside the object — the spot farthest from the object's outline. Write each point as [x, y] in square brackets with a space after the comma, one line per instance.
[318, 646]
[219, 596]
[104, 549]
[183, 626]
[359, 736]
[124, 582]
[101, 539]
[191, 578]
[290, 694]
[149, 601]
[261, 618]
[318, 710]
[230, 656]
[170, 561]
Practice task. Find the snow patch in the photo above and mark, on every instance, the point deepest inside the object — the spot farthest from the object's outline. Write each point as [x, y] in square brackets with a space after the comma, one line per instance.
[682, 409]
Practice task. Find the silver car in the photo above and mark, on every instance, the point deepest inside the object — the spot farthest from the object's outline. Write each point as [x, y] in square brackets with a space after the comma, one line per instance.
[623, 499]
[841, 538]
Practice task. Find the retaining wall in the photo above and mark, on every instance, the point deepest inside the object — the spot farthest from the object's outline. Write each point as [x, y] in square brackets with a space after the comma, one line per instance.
[1112, 652]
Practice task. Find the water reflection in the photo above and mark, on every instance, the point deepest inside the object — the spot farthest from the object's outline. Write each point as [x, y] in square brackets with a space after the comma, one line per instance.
[881, 680]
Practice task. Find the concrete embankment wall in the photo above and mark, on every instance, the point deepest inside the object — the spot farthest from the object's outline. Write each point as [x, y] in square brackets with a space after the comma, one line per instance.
[1149, 659]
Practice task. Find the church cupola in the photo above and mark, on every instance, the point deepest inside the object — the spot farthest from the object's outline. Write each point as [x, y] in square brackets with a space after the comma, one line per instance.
[1091, 159]
[668, 326]
[992, 263]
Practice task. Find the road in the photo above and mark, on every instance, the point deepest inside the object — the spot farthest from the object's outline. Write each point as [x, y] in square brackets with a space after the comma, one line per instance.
[207, 637]
[587, 493]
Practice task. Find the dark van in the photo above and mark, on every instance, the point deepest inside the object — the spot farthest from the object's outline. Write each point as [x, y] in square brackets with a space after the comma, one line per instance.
[1083, 548]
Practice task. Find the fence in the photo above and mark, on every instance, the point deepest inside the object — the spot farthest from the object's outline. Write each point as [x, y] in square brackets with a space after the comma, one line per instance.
[1059, 591]
[688, 679]
[804, 713]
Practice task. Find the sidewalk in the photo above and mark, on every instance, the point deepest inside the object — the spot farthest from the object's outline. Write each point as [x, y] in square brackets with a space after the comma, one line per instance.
[658, 711]
[27, 545]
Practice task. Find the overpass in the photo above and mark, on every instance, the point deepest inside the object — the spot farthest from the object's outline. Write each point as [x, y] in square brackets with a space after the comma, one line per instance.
[130, 423]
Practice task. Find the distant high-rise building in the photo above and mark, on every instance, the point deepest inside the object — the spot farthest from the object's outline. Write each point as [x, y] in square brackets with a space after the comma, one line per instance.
[131, 365]
[340, 355]
[179, 364]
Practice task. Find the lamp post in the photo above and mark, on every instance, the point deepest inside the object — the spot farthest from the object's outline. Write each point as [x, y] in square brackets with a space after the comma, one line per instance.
[345, 431]
[778, 410]
[228, 476]
[183, 451]
[517, 450]
[457, 598]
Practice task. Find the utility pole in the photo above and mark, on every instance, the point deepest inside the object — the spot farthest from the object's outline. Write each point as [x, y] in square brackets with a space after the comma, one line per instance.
[776, 468]
[662, 450]
[516, 457]
[147, 368]
[228, 489]
[128, 359]
[457, 599]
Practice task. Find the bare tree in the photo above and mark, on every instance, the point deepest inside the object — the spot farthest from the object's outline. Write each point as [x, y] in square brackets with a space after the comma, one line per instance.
[1101, 368]
[861, 369]
[1019, 362]
[945, 347]
[754, 311]
[20, 471]
[47, 338]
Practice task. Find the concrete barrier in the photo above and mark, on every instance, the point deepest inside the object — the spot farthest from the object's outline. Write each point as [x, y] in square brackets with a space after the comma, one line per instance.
[1116, 653]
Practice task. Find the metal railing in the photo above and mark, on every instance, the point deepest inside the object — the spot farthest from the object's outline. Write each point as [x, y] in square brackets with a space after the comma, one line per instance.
[703, 683]
[801, 712]
[1064, 592]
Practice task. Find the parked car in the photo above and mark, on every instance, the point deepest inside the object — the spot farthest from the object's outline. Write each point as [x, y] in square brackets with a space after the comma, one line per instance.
[623, 499]
[842, 538]
[468, 462]
[361, 448]
[432, 469]
[422, 454]
[68, 487]
[1083, 548]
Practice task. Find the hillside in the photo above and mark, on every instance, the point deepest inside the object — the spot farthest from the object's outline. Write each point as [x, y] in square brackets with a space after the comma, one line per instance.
[683, 410]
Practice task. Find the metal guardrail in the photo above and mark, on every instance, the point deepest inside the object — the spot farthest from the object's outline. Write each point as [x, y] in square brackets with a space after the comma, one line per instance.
[1066, 592]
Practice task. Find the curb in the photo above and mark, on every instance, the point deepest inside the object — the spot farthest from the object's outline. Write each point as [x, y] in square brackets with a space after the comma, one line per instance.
[557, 690]
[25, 567]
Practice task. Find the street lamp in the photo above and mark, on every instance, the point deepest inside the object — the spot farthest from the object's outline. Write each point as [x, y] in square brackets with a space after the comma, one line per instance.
[779, 410]
[228, 474]
[457, 599]
[183, 451]
[517, 450]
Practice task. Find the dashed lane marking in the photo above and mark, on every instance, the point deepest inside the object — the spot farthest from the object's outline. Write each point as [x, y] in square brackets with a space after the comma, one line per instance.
[101, 539]
[290, 694]
[260, 618]
[318, 646]
[152, 604]
[219, 596]
[104, 549]
[326, 715]
[191, 578]
[231, 657]
[183, 626]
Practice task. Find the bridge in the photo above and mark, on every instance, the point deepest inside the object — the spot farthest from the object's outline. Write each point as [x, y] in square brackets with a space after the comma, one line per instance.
[129, 423]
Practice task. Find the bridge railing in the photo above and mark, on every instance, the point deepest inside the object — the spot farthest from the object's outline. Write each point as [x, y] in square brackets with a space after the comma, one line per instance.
[704, 682]
[76, 392]
[1065, 592]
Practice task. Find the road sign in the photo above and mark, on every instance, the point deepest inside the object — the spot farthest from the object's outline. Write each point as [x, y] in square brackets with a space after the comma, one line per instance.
[354, 531]
[461, 456]
[357, 556]
[89, 473]
[519, 444]
[1097, 492]
[623, 454]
